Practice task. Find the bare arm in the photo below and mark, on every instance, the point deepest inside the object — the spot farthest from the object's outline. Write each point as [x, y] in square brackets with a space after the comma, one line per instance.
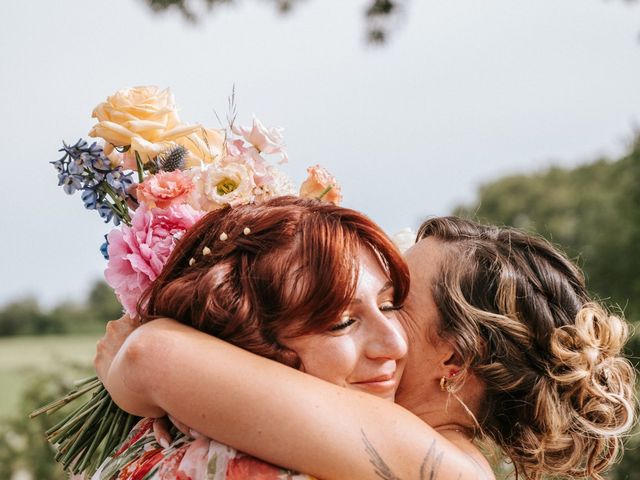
[275, 412]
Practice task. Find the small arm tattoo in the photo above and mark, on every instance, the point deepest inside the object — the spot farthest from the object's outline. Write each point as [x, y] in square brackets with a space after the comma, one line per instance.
[433, 459]
[428, 469]
[381, 468]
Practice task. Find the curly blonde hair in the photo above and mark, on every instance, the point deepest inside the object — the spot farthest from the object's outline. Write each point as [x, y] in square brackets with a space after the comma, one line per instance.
[559, 392]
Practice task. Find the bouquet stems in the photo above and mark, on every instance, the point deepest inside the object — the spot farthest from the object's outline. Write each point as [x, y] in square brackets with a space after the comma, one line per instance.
[86, 436]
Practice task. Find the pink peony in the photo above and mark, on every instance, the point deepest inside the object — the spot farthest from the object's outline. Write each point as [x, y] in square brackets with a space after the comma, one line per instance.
[138, 253]
[321, 185]
[164, 188]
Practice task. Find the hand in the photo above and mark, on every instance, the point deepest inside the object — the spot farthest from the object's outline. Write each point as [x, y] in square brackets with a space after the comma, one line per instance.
[116, 333]
[162, 425]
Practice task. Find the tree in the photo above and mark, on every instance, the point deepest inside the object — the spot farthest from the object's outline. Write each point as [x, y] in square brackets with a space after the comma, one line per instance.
[102, 302]
[24, 317]
[379, 14]
[592, 212]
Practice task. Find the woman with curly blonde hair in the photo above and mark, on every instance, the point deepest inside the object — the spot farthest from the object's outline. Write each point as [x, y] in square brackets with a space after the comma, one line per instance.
[506, 346]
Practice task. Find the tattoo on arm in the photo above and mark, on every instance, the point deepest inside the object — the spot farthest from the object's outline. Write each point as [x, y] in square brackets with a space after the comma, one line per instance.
[381, 468]
[434, 458]
[428, 469]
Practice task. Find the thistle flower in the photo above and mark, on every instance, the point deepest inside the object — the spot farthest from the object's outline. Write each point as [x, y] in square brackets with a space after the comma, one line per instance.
[173, 159]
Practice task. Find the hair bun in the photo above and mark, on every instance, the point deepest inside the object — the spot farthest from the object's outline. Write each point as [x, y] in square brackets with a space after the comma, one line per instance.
[588, 348]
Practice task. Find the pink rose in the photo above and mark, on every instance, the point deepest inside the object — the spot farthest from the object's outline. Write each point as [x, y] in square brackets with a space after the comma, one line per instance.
[138, 253]
[321, 185]
[164, 188]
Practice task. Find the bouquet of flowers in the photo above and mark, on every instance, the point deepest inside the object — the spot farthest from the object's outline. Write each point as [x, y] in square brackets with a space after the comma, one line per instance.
[154, 176]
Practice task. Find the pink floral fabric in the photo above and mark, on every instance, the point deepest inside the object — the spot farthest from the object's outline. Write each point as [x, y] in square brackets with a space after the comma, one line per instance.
[141, 458]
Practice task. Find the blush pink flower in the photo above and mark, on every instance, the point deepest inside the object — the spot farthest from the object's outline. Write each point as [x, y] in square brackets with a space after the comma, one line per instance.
[265, 140]
[321, 185]
[138, 253]
[164, 189]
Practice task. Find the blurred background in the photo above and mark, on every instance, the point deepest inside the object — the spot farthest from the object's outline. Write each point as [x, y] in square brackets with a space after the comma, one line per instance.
[515, 112]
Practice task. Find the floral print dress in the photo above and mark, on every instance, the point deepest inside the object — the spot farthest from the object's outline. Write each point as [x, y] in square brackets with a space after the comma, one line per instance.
[141, 458]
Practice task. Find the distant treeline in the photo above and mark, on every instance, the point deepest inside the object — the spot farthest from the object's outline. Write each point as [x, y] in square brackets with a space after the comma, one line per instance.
[592, 212]
[26, 317]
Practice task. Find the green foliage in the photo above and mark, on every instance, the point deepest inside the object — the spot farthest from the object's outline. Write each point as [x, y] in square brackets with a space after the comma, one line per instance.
[23, 447]
[23, 317]
[593, 213]
[379, 14]
[26, 317]
[102, 302]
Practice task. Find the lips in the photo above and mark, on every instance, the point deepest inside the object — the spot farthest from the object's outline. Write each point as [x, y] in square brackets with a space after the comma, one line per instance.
[381, 384]
[380, 378]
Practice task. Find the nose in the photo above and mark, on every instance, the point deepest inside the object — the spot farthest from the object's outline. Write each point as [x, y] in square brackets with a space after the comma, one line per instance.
[387, 339]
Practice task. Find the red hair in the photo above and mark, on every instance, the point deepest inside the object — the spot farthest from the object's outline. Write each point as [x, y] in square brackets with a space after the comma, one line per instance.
[296, 270]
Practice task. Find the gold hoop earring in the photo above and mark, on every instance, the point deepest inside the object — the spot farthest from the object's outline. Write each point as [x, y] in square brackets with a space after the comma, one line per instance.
[444, 384]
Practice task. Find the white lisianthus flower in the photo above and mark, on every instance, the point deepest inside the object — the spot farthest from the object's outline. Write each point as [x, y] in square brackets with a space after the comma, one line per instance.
[279, 185]
[220, 185]
[265, 140]
[404, 239]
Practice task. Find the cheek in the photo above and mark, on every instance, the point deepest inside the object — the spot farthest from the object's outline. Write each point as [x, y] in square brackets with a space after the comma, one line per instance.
[332, 359]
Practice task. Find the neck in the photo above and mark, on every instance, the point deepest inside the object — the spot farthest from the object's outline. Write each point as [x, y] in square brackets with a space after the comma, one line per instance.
[442, 410]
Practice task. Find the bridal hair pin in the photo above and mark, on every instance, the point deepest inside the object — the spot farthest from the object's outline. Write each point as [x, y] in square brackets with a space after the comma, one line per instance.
[246, 230]
[206, 251]
[223, 236]
[192, 261]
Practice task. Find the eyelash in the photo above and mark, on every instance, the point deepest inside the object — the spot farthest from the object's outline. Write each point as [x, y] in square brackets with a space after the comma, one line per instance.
[342, 325]
[390, 308]
[350, 321]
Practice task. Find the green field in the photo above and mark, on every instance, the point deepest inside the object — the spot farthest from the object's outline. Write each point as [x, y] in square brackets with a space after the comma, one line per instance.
[21, 356]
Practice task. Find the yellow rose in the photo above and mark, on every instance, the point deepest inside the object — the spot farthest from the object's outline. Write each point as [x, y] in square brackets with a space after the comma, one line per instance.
[204, 146]
[143, 117]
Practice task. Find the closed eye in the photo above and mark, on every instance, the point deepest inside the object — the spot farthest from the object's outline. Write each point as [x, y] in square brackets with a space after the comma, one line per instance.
[389, 307]
[342, 325]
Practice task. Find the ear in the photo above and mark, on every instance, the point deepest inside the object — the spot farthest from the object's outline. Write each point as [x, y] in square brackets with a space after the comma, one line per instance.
[450, 361]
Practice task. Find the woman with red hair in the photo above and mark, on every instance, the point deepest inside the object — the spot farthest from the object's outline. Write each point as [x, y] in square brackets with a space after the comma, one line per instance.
[308, 284]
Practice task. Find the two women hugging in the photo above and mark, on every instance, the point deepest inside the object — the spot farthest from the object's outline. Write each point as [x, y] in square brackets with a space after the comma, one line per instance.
[296, 327]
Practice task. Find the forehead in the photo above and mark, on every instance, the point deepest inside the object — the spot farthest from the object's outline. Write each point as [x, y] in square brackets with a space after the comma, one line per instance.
[425, 261]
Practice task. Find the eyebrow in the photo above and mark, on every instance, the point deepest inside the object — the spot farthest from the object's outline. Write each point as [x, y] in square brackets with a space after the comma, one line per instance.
[384, 288]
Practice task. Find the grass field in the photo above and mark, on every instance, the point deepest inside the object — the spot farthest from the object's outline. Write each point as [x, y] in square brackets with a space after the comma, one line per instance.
[20, 356]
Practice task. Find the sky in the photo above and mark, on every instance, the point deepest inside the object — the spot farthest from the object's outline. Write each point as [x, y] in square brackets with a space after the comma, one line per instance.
[463, 92]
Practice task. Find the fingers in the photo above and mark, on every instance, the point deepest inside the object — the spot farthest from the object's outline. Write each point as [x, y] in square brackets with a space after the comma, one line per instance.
[131, 321]
[179, 425]
[161, 431]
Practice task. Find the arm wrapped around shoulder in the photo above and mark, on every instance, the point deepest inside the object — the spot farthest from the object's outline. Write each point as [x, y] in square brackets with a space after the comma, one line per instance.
[585, 403]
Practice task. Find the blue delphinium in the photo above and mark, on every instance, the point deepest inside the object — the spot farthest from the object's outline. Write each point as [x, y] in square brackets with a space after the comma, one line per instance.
[104, 248]
[104, 187]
